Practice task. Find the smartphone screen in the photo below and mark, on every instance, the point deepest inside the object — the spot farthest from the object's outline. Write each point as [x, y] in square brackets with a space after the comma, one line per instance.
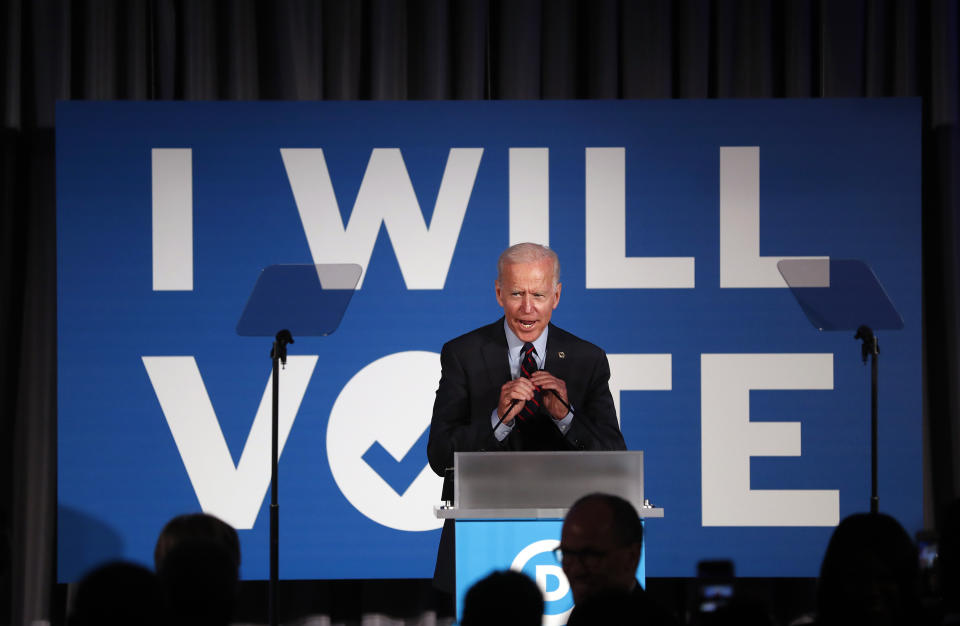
[714, 584]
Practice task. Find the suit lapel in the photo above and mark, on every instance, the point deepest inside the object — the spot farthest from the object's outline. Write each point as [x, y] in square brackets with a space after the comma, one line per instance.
[557, 357]
[494, 353]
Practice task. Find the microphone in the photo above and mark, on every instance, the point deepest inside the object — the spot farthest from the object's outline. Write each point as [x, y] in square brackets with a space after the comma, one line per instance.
[514, 402]
[584, 422]
[562, 401]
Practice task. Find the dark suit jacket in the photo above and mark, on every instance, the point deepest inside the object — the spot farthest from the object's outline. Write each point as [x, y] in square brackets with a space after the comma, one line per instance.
[617, 607]
[474, 367]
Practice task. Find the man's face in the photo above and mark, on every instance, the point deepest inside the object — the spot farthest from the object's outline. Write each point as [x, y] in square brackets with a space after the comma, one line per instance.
[593, 559]
[528, 297]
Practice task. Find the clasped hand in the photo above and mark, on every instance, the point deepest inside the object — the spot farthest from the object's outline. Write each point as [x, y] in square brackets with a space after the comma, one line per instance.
[522, 389]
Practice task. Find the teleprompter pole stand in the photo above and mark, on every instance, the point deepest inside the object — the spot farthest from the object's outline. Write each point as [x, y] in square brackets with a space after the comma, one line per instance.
[871, 349]
[292, 297]
[279, 356]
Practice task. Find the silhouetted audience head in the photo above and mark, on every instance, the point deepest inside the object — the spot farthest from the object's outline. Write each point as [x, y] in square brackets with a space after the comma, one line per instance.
[198, 583]
[196, 526]
[600, 545]
[869, 574]
[505, 598]
[116, 593]
[198, 564]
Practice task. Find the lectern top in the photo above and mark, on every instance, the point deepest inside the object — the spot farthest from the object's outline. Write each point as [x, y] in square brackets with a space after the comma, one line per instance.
[544, 480]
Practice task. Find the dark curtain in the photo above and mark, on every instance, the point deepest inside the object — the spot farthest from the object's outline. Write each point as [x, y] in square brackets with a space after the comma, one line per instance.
[433, 49]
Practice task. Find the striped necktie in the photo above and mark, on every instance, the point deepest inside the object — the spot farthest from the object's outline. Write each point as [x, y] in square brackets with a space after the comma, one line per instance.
[528, 365]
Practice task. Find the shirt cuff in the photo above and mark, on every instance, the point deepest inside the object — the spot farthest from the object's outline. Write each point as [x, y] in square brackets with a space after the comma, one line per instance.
[565, 423]
[501, 430]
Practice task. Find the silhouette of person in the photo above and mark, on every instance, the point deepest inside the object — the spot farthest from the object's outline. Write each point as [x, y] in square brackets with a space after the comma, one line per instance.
[505, 598]
[600, 547]
[869, 574]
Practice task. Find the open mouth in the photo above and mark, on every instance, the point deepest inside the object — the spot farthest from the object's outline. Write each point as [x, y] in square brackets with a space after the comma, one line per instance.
[527, 325]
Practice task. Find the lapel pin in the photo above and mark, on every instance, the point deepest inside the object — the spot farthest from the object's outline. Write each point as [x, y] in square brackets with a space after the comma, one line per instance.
[561, 355]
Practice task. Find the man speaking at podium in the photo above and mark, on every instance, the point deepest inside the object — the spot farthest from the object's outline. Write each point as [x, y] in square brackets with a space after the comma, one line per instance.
[520, 383]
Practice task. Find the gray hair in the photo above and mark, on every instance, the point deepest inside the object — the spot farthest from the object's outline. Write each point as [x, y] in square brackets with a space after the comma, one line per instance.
[527, 252]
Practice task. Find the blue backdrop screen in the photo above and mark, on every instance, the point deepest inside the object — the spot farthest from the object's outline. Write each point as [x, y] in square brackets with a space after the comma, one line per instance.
[669, 219]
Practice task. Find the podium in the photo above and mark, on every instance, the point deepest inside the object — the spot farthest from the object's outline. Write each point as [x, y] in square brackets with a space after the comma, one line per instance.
[509, 508]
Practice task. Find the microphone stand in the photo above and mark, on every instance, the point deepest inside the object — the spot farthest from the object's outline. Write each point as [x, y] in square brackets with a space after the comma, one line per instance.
[279, 356]
[871, 349]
